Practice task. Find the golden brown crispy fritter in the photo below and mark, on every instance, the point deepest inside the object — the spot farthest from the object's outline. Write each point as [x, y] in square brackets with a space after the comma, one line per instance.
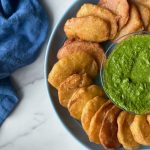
[119, 7]
[96, 122]
[81, 97]
[109, 128]
[148, 118]
[140, 129]
[124, 134]
[95, 10]
[93, 49]
[134, 24]
[89, 28]
[79, 62]
[70, 85]
[144, 12]
[147, 4]
[89, 111]
[144, 2]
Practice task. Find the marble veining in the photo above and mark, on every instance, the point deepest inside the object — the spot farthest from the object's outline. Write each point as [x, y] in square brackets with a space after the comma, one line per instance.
[38, 119]
[30, 82]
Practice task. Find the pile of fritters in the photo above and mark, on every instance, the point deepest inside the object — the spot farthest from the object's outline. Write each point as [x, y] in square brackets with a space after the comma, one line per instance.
[108, 20]
[73, 74]
[79, 61]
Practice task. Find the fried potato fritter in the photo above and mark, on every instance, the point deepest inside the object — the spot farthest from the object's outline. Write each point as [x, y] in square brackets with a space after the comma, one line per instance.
[96, 122]
[148, 28]
[124, 134]
[89, 28]
[144, 2]
[70, 85]
[144, 12]
[79, 62]
[147, 4]
[80, 98]
[119, 7]
[134, 24]
[109, 128]
[89, 111]
[95, 10]
[140, 129]
[148, 118]
[93, 49]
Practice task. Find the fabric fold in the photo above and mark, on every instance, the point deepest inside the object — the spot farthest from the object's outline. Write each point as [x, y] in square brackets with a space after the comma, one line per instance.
[8, 98]
[24, 26]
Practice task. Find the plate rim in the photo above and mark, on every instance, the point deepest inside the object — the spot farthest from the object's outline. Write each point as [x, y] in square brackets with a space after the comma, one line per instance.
[48, 50]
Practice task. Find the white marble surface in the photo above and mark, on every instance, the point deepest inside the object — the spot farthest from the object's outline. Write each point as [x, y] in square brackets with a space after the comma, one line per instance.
[34, 124]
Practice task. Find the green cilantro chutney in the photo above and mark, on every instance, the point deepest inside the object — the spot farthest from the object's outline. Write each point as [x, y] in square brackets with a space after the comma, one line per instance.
[126, 74]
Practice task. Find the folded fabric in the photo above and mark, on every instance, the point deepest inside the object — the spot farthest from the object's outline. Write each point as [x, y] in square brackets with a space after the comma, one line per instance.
[23, 29]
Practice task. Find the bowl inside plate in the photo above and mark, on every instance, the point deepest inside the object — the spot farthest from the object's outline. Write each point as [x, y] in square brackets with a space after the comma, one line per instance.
[107, 53]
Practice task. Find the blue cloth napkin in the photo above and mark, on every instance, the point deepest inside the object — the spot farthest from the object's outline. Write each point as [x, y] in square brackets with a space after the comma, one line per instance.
[23, 29]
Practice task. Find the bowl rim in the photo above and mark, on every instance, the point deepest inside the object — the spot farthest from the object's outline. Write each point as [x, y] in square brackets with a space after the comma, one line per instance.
[105, 58]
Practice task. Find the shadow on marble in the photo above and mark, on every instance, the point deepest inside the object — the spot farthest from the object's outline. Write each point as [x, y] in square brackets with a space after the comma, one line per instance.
[50, 14]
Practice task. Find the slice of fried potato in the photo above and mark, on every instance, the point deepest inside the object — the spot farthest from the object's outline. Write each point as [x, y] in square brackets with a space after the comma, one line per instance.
[119, 7]
[96, 122]
[80, 98]
[134, 24]
[89, 111]
[140, 129]
[70, 85]
[148, 29]
[95, 10]
[93, 49]
[89, 28]
[147, 4]
[109, 128]
[144, 12]
[144, 2]
[79, 62]
[148, 118]
[124, 134]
